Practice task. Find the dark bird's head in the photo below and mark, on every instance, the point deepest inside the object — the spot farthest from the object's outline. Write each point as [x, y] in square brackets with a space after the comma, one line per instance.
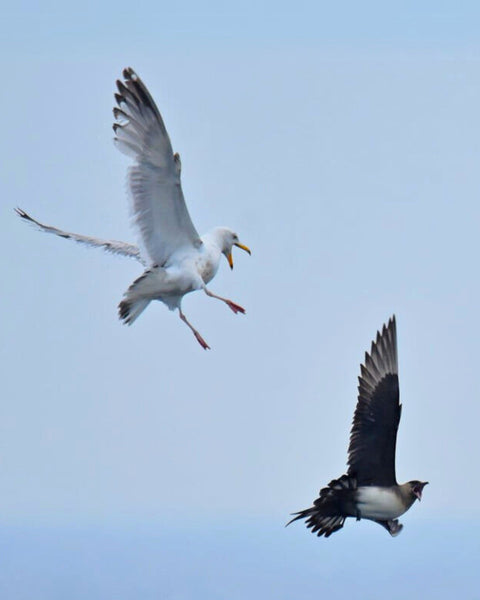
[416, 488]
[225, 238]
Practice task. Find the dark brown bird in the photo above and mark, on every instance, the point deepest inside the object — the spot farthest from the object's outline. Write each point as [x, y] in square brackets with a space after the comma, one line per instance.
[369, 490]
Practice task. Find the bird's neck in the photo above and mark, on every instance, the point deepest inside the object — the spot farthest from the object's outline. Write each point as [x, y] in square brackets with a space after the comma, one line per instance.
[405, 492]
[213, 238]
[208, 259]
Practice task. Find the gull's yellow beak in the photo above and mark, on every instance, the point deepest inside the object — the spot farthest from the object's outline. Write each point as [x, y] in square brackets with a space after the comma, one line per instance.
[246, 248]
[229, 255]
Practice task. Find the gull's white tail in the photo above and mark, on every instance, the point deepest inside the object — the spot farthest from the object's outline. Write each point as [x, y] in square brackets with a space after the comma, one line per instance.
[138, 296]
[129, 310]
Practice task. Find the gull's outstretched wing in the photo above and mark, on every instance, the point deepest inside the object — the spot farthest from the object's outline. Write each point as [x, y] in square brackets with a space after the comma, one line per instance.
[371, 454]
[112, 246]
[159, 209]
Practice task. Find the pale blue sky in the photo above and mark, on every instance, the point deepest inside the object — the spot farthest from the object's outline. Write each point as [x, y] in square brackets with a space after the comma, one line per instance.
[342, 144]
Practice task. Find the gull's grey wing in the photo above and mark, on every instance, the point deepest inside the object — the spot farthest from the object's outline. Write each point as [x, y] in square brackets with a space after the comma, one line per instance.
[159, 209]
[121, 248]
[371, 454]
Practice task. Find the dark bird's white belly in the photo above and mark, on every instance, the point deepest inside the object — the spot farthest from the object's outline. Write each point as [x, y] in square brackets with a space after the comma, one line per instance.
[379, 503]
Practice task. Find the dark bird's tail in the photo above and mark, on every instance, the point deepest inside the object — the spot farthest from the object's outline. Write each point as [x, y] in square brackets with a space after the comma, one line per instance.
[331, 508]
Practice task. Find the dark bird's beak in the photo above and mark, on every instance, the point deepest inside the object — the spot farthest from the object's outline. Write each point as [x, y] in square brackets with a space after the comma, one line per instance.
[419, 489]
[229, 255]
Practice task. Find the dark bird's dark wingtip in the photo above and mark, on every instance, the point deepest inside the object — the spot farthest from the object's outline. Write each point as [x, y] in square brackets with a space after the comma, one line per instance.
[392, 321]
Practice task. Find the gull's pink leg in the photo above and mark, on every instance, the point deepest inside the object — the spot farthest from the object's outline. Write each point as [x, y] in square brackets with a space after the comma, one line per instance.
[200, 339]
[232, 305]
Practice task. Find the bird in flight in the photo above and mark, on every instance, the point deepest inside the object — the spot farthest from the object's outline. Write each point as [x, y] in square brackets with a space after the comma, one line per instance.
[369, 490]
[176, 259]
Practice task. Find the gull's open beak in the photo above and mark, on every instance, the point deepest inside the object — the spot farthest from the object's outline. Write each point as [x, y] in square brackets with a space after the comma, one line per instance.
[229, 255]
[246, 248]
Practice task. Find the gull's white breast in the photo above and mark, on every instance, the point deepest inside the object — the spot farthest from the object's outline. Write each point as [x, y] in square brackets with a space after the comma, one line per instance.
[379, 503]
[207, 262]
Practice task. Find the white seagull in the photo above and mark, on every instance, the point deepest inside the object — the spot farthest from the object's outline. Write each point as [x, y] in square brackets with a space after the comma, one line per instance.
[176, 259]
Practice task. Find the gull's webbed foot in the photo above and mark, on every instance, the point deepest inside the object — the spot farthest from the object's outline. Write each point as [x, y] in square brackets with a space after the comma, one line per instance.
[232, 305]
[235, 307]
[201, 341]
[199, 338]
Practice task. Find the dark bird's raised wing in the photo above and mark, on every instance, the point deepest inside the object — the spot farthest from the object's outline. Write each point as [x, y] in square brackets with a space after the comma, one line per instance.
[159, 209]
[371, 453]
